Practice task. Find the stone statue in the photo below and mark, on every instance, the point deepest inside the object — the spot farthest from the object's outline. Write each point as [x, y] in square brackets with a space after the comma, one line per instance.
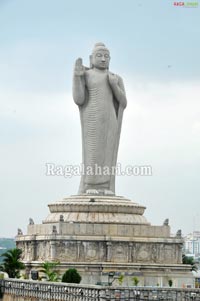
[31, 221]
[179, 233]
[166, 222]
[101, 98]
[19, 231]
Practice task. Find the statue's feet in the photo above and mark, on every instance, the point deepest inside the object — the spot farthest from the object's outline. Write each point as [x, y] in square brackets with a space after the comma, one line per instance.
[99, 192]
[108, 192]
[92, 191]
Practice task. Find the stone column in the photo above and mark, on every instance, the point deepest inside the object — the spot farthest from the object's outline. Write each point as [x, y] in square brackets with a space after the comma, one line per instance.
[108, 249]
[78, 251]
[28, 271]
[25, 251]
[33, 250]
[52, 249]
[29, 251]
[179, 255]
[130, 246]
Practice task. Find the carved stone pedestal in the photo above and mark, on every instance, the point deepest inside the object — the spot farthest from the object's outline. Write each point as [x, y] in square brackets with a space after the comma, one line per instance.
[99, 234]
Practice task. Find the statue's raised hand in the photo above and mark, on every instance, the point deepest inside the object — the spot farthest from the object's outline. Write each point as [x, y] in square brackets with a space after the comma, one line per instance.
[79, 69]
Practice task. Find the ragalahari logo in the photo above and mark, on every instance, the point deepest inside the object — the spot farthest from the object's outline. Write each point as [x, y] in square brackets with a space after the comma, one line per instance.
[186, 4]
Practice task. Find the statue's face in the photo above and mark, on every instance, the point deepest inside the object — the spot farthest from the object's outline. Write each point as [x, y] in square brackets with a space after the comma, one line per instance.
[101, 59]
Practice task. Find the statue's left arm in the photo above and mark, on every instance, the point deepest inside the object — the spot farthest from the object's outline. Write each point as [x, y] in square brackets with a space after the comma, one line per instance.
[118, 89]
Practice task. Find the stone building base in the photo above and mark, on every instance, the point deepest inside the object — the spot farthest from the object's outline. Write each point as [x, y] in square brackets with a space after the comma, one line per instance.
[100, 234]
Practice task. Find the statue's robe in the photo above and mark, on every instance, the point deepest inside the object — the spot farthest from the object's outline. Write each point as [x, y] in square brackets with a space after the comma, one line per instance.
[101, 116]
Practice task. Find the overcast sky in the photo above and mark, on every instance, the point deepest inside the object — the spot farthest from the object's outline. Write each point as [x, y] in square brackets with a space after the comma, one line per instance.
[155, 48]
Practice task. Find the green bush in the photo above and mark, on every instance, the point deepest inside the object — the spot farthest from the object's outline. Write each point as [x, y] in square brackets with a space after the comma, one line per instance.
[121, 279]
[135, 281]
[50, 271]
[71, 276]
[170, 282]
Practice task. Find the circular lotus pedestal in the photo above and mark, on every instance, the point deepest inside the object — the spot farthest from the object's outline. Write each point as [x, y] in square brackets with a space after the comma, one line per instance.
[96, 210]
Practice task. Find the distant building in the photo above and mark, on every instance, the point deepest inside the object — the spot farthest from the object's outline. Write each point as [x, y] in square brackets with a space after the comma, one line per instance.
[192, 243]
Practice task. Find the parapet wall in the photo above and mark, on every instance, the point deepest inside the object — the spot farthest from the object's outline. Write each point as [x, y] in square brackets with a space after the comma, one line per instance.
[98, 229]
[18, 290]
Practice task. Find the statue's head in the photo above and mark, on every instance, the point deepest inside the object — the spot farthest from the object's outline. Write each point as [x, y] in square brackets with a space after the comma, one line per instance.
[100, 57]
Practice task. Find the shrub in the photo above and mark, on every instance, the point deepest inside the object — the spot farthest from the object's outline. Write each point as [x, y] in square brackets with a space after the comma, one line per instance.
[50, 271]
[170, 282]
[121, 279]
[71, 276]
[135, 281]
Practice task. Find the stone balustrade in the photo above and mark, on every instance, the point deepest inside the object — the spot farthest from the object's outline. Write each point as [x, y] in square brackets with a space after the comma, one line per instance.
[14, 289]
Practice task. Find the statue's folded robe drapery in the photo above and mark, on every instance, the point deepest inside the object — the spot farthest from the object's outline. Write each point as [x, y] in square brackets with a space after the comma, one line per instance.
[101, 118]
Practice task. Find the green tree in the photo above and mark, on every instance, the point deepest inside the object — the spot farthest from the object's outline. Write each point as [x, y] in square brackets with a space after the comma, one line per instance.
[50, 271]
[11, 262]
[71, 276]
[190, 260]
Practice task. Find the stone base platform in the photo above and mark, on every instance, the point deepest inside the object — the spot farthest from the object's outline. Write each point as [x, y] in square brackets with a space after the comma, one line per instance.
[98, 234]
